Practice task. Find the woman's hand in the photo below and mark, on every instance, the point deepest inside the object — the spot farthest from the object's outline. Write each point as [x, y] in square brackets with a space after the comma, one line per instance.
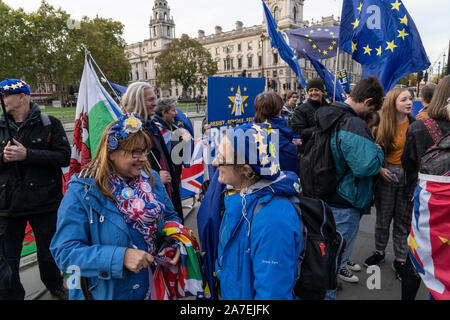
[136, 260]
[386, 175]
[176, 257]
[165, 177]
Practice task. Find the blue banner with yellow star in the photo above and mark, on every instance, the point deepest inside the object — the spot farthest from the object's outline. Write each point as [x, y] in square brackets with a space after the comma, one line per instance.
[320, 42]
[232, 100]
[383, 38]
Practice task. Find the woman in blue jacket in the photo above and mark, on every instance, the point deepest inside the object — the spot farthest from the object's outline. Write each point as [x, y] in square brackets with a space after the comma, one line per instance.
[109, 219]
[260, 236]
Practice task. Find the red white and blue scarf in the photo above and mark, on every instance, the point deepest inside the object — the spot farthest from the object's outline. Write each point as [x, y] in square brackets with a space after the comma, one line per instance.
[139, 206]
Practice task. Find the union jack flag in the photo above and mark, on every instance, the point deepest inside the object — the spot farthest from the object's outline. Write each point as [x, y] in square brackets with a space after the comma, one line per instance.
[429, 241]
[192, 177]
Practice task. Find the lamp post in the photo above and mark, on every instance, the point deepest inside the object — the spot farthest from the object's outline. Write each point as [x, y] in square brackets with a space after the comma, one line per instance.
[439, 71]
[443, 66]
[263, 37]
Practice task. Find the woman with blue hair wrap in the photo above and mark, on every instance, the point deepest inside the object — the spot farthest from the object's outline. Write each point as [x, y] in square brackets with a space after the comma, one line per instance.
[258, 250]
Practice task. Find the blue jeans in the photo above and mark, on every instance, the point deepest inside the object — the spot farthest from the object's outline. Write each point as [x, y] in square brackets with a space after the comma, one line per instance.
[347, 223]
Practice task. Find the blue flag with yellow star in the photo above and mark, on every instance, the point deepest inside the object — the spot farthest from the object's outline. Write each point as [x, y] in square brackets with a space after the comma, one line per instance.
[278, 42]
[328, 79]
[232, 100]
[383, 38]
[320, 42]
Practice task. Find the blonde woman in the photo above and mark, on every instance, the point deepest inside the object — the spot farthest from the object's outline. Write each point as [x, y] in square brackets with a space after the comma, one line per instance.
[109, 219]
[390, 198]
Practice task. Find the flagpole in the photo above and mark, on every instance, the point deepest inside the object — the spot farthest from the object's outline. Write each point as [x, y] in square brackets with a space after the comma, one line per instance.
[87, 52]
[337, 61]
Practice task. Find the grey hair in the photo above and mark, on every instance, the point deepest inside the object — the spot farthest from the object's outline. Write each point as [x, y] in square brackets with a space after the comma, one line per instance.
[133, 100]
[165, 105]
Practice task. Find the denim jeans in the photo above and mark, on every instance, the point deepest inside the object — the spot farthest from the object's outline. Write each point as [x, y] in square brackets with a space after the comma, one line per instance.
[347, 223]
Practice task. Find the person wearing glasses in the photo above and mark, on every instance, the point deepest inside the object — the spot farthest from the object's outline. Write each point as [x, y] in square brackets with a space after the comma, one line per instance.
[110, 217]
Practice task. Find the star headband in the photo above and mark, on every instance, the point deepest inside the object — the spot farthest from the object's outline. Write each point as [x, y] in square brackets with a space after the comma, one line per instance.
[128, 124]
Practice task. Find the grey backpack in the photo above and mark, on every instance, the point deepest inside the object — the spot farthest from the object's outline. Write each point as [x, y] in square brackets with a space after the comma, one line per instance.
[436, 161]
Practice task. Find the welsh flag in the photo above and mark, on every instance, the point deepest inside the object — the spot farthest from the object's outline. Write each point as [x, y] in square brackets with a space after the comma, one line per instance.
[29, 242]
[95, 110]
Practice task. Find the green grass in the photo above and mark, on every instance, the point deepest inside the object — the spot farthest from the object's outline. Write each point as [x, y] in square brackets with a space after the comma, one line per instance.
[63, 114]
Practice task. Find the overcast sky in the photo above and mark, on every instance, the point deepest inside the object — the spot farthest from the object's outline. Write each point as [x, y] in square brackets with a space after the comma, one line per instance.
[431, 16]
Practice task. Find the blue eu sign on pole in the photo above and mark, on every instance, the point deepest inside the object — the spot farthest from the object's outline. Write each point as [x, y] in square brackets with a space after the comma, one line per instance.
[232, 100]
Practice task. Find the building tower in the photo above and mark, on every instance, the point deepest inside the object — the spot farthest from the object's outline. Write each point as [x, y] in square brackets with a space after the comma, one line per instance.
[162, 26]
[287, 13]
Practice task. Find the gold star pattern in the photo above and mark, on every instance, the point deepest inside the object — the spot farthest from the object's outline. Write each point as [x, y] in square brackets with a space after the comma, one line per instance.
[334, 42]
[273, 169]
[312, 31]
[319, 29]
[355, 24]
[402, 34]
[325, 52]
[257, 128]
[360, 7]
[330, 47]
[379, 51]
[367, 50]
[446, 241]
[413, 244]
[310, 40]
[244, 98]
[354, 47]
[391, 46]
[269, 129]
[262, 149]
[265, 161]
[19, 84]
[396, 5]
[404, 20]
[14, 86]
[314, 46]
[6, 87]
[259, 138]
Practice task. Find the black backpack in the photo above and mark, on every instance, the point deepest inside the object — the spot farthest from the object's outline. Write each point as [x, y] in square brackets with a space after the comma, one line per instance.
[317, 170]
[436, 161]
[322, 251]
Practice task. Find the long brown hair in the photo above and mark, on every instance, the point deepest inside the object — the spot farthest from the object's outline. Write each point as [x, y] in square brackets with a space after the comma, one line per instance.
[387, 130]
[101, 167]
[267, 105]
[438, 108]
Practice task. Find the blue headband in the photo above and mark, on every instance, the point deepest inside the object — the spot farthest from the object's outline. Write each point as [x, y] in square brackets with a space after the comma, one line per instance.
[127, 124]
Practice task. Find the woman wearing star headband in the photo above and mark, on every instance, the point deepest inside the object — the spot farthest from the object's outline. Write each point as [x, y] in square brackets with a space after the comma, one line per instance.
[259, 239]
[110, 217]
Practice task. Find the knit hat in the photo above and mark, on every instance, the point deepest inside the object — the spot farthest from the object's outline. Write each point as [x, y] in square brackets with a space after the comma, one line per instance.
[315, 83]
[258, 146]
[14, 86]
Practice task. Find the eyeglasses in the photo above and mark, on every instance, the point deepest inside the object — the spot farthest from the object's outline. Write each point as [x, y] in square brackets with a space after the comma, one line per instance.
[138, 153]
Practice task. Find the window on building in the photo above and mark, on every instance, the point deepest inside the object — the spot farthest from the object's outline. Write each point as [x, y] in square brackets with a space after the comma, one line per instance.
[275, 58]
[137, 75]
[146, 75]
[217, 51]
[176, 92]
[154, 32]
[249, 75]
[275, 73]
[168, 31]
[250, 62]
[259, 61]
[239, 63]
[295, 14]
[239, 47]
[276, 13]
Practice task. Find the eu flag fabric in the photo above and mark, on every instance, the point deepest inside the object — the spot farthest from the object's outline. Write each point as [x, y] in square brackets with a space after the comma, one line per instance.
[320, 42]
[328, 79]
[232, 100]
[383, 38]
[429, 240]
[278, 42]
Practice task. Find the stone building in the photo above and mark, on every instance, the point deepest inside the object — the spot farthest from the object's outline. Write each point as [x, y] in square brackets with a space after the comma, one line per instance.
[242, 51]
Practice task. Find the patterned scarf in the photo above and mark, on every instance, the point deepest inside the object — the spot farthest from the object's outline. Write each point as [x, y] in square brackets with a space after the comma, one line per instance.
[139, 206]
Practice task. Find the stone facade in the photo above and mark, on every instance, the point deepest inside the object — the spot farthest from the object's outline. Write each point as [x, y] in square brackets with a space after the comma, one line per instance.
[244, 50]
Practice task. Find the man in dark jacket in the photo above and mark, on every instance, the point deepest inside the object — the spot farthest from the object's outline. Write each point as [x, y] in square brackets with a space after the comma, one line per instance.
[303, 122]
[30, 187]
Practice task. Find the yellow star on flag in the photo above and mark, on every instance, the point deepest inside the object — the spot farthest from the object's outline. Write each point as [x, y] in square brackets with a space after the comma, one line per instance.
[265, 161]
[14, 86]
[367, 50]
[332, 33]
[257, 128]
[312, 31]
[404, 20]
[319, 29]
[379, 51]
[354, 47]
[325, 52]
[314, 46]
[391, 46]
[262, 149]
[360, 7]
[310, 40]
[402, 34]
[272, 151]
[413, 244]
[396, 5]
[330, 47]
[447, 241]
[6, 87]
[273, 169]
[259, 138]
[20, 85]
[334, 42]
[355, 24]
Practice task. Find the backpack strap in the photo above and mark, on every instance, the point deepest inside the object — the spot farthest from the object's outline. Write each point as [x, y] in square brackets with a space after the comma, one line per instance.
[433, 129]
[45, 119]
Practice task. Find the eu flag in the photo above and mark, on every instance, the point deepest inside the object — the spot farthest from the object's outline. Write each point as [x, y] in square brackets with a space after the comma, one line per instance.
[328, 79]
[383, 38]
[279, 43]
[320, 42]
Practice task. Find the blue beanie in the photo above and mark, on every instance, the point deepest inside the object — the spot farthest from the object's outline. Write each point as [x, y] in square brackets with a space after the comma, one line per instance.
[14, 86]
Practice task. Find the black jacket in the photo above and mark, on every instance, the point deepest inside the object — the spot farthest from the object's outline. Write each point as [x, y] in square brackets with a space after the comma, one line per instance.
[33, 186]
[418, 141]
[303, 121]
